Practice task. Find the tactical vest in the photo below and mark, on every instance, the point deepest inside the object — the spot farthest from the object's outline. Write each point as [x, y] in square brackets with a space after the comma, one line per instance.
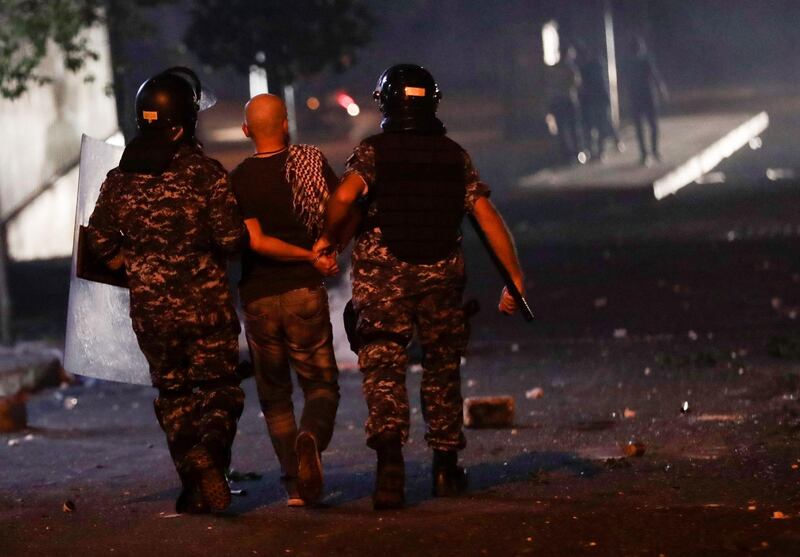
[419, 194]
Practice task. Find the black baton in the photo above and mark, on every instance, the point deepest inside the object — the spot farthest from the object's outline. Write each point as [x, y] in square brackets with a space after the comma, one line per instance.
[524, 308]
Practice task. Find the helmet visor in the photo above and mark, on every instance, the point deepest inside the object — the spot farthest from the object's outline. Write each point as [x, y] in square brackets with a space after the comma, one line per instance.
[205, 96]
[207, 99]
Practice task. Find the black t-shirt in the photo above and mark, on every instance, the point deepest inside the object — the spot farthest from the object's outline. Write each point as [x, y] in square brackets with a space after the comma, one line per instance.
[263, 193]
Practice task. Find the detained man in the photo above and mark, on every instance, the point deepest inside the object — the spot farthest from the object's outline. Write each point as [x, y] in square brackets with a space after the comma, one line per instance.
[282, 191]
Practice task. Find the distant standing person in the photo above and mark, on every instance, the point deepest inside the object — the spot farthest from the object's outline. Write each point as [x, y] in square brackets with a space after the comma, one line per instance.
[282, 190]
[646, 90]
[563, 81]
[595, 103]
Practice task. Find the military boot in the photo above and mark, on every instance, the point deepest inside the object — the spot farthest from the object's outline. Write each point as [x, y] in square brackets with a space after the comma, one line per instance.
[449, 479]
[203, 472]
[190, 502]
[391, 473]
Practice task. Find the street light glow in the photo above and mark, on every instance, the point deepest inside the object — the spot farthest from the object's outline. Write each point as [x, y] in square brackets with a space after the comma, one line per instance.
[550, 43]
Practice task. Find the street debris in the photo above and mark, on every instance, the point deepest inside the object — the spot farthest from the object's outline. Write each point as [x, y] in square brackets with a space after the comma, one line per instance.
[634, 449]
[628, 413]
[535, 393]
[718, 418]
[68, 506]
[489, 412]
[29, 367]
[692, 335]
[620, 333]
[471, 383]
[685, 407]
[778, 515]
[600, 302]
[70, 403]
[784, 346]
[236, 476]
[595, 425]
[616, 463]
[700, 359]
[239, 492]
[539, 476]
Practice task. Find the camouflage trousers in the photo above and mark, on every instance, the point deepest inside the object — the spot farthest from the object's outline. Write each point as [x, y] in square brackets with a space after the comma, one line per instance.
[199, 399]
[385, 329]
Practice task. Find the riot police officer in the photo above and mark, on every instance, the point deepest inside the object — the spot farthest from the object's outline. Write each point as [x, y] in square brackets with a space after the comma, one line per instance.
[408, 273]
[168, 214]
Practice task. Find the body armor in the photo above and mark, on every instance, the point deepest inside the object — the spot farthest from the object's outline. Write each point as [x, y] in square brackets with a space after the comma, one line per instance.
[419, 195]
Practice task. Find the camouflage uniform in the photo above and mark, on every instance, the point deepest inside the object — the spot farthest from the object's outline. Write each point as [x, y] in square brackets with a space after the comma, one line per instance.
[175, 230]
[392, 298]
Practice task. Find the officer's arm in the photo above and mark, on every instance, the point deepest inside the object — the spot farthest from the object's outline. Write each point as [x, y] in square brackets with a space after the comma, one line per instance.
[224, 217]
[660, 83]
[339, 212]
[496, 231]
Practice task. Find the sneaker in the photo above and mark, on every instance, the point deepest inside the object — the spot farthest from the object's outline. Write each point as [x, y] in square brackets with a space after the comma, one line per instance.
[209, 479]
[293, 498]
[309, 468]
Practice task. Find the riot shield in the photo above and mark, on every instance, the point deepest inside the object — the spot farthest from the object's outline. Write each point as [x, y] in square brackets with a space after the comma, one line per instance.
[100, 340]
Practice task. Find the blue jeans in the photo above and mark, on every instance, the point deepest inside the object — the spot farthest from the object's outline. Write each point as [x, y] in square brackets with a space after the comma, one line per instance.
[294, 328]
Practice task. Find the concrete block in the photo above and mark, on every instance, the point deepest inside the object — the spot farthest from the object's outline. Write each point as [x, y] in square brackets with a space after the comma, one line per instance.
[489, 412]
[13, 414]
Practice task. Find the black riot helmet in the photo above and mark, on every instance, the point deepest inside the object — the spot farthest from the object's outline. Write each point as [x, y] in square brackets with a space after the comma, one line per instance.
[164, 102]
[167, 100]
[408, 96]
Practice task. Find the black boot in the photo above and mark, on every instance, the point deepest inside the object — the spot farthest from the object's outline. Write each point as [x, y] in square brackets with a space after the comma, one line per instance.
[391, 473]
[204, 472]
[449, 479]
[190, 502]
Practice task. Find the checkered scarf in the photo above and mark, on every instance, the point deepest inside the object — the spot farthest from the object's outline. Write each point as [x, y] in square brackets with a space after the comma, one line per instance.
[304, 172]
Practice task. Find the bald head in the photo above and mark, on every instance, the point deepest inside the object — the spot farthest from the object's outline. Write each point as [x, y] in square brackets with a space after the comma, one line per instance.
[265, 118]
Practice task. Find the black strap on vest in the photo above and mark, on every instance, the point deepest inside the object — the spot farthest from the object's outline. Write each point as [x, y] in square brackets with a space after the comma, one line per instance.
[419, 193]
